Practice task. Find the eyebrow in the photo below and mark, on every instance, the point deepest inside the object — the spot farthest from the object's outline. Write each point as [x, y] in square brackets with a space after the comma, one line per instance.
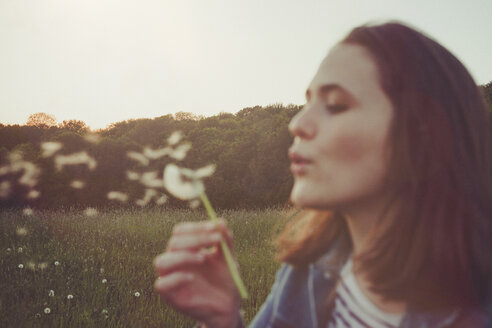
[326, 88]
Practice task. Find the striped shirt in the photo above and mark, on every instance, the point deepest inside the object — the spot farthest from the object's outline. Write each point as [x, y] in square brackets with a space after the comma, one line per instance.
[353, 309]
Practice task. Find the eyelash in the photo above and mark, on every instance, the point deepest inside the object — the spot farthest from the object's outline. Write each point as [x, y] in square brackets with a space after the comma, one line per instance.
[336, 108]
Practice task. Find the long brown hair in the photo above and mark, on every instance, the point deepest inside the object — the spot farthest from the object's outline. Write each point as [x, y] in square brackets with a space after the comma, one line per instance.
[437, 252]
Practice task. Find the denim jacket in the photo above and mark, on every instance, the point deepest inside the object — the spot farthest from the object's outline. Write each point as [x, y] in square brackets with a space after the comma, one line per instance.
[297, 300]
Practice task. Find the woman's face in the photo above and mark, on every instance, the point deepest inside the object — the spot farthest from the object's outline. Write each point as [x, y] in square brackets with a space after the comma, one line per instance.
[339, 153]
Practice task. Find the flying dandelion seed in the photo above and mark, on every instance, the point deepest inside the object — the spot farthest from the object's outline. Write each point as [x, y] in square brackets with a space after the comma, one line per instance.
[21, 231]
[149, 194]
[194, 203]
[75, 159]
[42, 266]
[117, 195]
[33, 194]
[69, 297]
[21, 266]
[92, 138]
[47, 310]
[51, 293]
[50, 148]
[180, 152]
[77, 184]
[27, 211]
[131, 175]
[150, 180]
[31, 172]
[138, 157]
[56, 263]
[174, 138]
[104, 281]
[161, 200]
[137, 294]
[186, 184]
[4, 170]
[156, 153]
[90, 212]
[5, 189]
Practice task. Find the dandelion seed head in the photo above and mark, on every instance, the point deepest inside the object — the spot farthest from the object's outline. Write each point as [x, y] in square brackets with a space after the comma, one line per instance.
[33, 194]
[21, 231]
[178, 182]
[47, 310]
[174, 138]
[104, 281]
[37, 315]
[50, 148]
[20, 250]
[77, 184]
[51, 293]
[117, 195]
[138, 157]
[56, 263]
[137, 294]
[90, 212]
[27, 211]
[69, 296]
[21, 266]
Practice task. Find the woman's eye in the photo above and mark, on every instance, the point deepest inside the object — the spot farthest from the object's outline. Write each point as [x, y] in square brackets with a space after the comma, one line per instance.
[336, 108]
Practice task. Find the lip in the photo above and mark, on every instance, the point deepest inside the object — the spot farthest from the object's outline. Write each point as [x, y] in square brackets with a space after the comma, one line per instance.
[299, 164]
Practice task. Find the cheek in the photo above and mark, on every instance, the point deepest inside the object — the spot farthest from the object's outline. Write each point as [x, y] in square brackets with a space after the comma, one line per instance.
[349, 147]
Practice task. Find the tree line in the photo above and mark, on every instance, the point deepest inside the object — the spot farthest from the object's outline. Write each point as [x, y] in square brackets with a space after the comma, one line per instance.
[249, 149]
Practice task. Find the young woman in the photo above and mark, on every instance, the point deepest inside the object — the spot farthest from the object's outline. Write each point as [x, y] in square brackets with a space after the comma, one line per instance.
[391, 162]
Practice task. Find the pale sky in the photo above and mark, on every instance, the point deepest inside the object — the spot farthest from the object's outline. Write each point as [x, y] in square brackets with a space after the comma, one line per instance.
[104, 61]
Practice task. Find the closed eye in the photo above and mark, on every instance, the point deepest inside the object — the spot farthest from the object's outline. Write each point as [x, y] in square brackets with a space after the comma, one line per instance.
[336, 108]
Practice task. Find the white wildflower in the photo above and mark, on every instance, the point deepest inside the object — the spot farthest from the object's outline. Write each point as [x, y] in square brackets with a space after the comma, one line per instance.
[51, 293]
[21, 266]
[69, 296]
[27, 211]
[174, 138]
[33, 194]
[185, 183]
[180, 152]
[149, 194]
[138, 157]
[157, 153]
[150, 180]
[4, 189]
[77, 184]
[75, 159]
[50, 148]
[92, 138]
[117, 195]
[47, 310]
[21, 231]
[161, 200]
[131, 175]
[90, 212]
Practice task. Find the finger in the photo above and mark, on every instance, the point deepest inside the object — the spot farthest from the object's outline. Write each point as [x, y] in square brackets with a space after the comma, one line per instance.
[193, 242]
[194, 227]
[165, 284]
[172, 261]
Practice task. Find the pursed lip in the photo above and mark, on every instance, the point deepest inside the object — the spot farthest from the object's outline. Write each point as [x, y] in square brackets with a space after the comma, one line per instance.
[298, 163]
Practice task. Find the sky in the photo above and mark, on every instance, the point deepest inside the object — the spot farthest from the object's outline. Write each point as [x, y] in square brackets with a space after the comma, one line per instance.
[105, 61]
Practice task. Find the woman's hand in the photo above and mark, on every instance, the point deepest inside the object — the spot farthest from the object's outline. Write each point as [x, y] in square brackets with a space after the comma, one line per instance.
[193, 274]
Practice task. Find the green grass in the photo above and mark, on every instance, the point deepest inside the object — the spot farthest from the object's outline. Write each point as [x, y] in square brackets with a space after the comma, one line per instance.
[119, 246]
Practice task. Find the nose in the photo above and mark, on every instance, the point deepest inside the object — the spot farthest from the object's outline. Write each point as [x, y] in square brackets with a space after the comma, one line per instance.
[303, 124]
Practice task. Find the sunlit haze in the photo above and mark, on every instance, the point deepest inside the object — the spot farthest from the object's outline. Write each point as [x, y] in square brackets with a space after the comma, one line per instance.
[104, 61]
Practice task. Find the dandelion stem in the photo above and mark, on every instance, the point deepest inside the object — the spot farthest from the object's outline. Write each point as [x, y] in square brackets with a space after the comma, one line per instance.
[225, 249]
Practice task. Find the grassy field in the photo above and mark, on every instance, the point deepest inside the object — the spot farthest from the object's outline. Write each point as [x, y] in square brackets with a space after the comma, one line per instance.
[104, 263]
